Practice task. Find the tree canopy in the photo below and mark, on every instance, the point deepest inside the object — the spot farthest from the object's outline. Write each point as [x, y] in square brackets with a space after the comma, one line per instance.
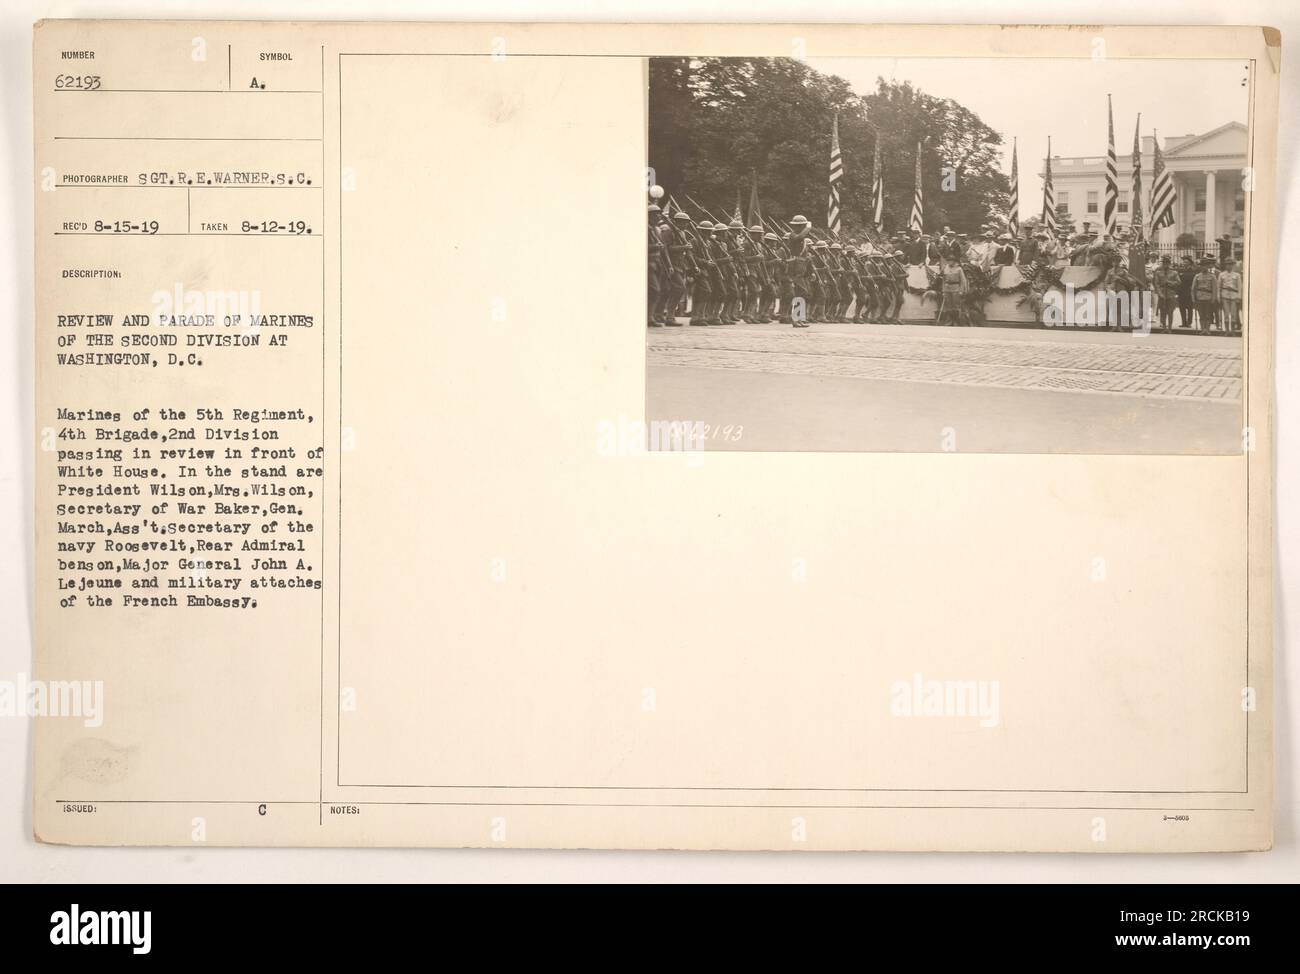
[714, 122]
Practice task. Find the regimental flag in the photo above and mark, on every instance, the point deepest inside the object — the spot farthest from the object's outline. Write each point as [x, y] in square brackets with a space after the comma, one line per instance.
[877, 190]
[755, 211]
[1013, 211]
[916, 221]
[1049, 193]
[736, 217]
[836, 174]
[1163, 194]
[1111, 209]
[1135, 216]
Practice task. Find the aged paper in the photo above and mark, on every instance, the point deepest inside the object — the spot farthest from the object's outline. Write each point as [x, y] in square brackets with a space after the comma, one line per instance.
[351, 529]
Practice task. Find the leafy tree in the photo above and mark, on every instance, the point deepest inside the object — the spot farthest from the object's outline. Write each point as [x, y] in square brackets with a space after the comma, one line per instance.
[714, 122]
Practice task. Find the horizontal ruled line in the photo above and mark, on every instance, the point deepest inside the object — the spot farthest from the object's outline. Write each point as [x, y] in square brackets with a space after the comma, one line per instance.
[181, 138]
[909, 57]
[824, 806]
[160, 233]
[183, 801]
[192, 91]
[789, 788]
[171, 186]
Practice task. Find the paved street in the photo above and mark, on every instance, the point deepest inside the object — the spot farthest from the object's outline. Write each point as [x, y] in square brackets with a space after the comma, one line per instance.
[894, 388]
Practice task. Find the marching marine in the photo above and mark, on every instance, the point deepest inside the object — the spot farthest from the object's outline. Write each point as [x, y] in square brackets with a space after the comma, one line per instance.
[755, 270]
[816, 281]
[773, 275]
[728, 287]
[703, 292]
[798, 274]
[680, 260]
[840, 282]
[657, 269]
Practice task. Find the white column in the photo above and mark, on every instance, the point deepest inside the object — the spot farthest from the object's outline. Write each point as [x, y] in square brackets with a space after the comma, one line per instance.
[1180, 206]
[1184, 203]
[1211, 230]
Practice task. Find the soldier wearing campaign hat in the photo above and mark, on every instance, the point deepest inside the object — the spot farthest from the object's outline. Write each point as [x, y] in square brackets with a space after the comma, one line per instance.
[1165, 283]
[798, 274]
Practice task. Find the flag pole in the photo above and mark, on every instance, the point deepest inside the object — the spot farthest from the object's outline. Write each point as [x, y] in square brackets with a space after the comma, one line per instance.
[834, 175]
[1110, 211]
[1013, 208]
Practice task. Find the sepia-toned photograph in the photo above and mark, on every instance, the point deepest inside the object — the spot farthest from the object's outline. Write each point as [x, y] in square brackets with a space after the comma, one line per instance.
[948, 254]
[931, 533]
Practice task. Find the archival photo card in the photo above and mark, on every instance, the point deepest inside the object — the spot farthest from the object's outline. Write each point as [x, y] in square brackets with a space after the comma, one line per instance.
[999, 254]
[660, 436]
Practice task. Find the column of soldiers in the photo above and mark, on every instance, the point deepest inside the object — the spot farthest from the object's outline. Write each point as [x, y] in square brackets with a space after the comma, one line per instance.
[718, 274]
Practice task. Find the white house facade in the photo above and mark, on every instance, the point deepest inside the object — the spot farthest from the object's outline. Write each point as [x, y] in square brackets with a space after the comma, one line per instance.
[1209, 173]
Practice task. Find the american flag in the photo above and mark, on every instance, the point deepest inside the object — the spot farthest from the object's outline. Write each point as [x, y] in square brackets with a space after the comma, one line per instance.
[1163, 194]
[1013, 211]
[1111, 210]
[877, 190]
[1049, 193]
[1135, 217]
[916, 222]
[836, 174]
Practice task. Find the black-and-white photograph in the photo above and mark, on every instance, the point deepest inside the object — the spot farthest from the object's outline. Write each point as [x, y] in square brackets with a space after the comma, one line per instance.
[948, 254]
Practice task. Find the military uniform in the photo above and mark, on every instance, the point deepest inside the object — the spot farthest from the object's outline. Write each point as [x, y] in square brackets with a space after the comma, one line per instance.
[729, 290]
[817, 282]
[702, 288]
[1166, 283]
[723, 273]
[894, 284]
[859, 282]
[656, 271]
[738, 246]
[953, 286]
[875, 287]
[679, 258]
[754, 274]
[798, 275]
[773, 275]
